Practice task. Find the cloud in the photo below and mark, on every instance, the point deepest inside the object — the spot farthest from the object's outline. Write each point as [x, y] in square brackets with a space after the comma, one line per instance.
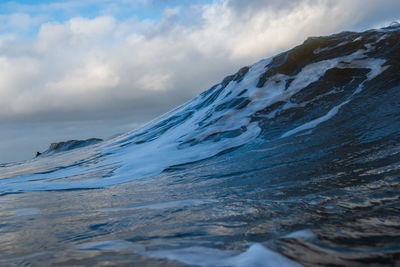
[76, 32]
[102, 66]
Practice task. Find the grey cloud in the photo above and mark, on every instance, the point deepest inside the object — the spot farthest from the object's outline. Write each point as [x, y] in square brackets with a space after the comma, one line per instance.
[365, 13]
[249, 7]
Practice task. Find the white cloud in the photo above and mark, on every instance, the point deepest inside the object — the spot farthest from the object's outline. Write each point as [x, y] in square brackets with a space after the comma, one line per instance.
[18, 22]
[94, 77]
[155, 82]
[75, 33]
[92, 28]
[17, 75]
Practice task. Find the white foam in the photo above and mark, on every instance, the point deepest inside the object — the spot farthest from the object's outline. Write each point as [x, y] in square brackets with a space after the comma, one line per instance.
[305, 234]
[383, 37]
[319, 50]
[315, 122]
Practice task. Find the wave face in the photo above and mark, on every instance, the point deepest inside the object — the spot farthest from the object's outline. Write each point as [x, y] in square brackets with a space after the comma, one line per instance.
[293, 160]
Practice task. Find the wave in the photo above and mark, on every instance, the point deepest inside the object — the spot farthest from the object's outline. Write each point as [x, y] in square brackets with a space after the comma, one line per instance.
[275, 98]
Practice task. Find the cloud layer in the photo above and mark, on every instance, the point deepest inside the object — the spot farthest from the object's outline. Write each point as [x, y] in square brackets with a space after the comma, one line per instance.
[104, 67]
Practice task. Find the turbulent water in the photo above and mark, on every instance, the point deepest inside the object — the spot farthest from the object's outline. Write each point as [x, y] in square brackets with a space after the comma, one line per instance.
[292, 161]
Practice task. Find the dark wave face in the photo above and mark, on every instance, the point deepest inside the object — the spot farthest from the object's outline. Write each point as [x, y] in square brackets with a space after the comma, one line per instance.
[69, 145]
[292, 161]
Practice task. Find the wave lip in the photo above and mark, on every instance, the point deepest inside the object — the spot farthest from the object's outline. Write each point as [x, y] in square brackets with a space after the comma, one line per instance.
[70, 145]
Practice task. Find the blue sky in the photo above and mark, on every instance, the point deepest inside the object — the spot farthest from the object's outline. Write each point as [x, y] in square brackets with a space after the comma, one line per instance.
[121, 10]
[79, 69]
[59, 11]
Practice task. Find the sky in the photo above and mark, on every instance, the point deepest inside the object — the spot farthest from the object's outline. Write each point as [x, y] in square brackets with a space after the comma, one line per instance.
[96, 68]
